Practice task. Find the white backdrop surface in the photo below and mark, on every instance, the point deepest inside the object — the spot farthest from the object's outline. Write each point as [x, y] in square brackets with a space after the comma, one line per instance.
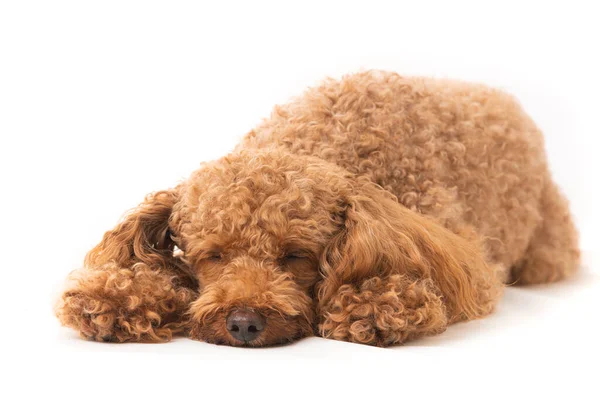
[103, 102]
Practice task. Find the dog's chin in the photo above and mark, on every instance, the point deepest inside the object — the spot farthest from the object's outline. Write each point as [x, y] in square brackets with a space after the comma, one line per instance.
[279, 329]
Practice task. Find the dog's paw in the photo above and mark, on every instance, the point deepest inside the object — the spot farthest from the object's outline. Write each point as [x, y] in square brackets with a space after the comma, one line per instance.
[93, 318]
[102, 320]
[383, 312]
[116, 304]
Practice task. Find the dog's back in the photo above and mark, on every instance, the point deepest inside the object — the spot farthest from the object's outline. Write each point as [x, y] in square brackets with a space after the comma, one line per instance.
[460, 153]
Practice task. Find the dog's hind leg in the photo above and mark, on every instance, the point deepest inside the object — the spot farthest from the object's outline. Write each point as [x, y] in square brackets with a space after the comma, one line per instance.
[114, 304]
[553, 253]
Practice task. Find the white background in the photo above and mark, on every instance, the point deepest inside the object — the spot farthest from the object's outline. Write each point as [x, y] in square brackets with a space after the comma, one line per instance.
[103, 102]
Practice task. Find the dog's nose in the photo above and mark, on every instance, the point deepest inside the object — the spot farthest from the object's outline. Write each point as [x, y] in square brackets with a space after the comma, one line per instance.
[245, 325]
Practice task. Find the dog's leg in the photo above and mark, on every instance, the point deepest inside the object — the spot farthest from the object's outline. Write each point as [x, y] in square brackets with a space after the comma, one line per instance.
[110, 303]
[384, 312]
[553, 252]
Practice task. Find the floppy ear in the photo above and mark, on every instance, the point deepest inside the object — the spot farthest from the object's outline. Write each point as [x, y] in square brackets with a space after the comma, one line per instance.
[142, 236]
[381, 238]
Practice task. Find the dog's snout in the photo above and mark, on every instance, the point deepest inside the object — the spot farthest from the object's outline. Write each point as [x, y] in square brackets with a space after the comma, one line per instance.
[245, 325]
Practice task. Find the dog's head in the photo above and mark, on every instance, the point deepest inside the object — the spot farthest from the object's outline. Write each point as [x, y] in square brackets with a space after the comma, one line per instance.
[253, 227]
[269, 237]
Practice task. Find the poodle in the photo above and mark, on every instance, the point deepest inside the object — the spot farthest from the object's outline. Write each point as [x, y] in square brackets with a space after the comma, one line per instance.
[373, 209]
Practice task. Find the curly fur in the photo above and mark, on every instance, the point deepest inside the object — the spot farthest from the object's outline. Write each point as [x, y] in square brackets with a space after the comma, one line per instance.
[384, 312]
[112, 303]
[373, 209]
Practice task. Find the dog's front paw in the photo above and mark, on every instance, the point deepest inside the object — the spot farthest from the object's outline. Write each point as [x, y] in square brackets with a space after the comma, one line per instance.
[384, 312]
[93, 318]
[124, 304]
[104, 320]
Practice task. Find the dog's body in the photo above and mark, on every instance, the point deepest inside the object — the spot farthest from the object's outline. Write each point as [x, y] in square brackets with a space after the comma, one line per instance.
[375, 209]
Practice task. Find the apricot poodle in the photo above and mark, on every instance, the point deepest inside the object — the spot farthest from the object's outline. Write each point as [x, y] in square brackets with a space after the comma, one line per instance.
[373, 209]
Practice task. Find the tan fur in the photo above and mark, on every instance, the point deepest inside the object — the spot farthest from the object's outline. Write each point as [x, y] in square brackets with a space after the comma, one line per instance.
[373, 209]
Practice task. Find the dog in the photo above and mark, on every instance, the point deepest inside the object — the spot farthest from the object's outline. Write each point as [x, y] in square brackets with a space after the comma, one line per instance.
[373, 209]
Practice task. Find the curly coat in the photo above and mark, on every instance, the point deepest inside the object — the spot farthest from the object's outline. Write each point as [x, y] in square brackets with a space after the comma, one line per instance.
[373, 209]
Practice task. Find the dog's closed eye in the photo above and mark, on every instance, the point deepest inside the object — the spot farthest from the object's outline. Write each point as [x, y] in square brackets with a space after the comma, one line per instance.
[214, 257]
[291, 258]
[295, 260]
[301, 265]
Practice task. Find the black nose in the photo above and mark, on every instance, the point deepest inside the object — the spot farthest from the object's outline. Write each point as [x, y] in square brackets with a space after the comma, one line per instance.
[245, 325]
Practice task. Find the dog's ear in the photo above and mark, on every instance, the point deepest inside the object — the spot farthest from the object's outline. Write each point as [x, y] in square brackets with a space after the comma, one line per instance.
[382, 237]
[142, 236]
